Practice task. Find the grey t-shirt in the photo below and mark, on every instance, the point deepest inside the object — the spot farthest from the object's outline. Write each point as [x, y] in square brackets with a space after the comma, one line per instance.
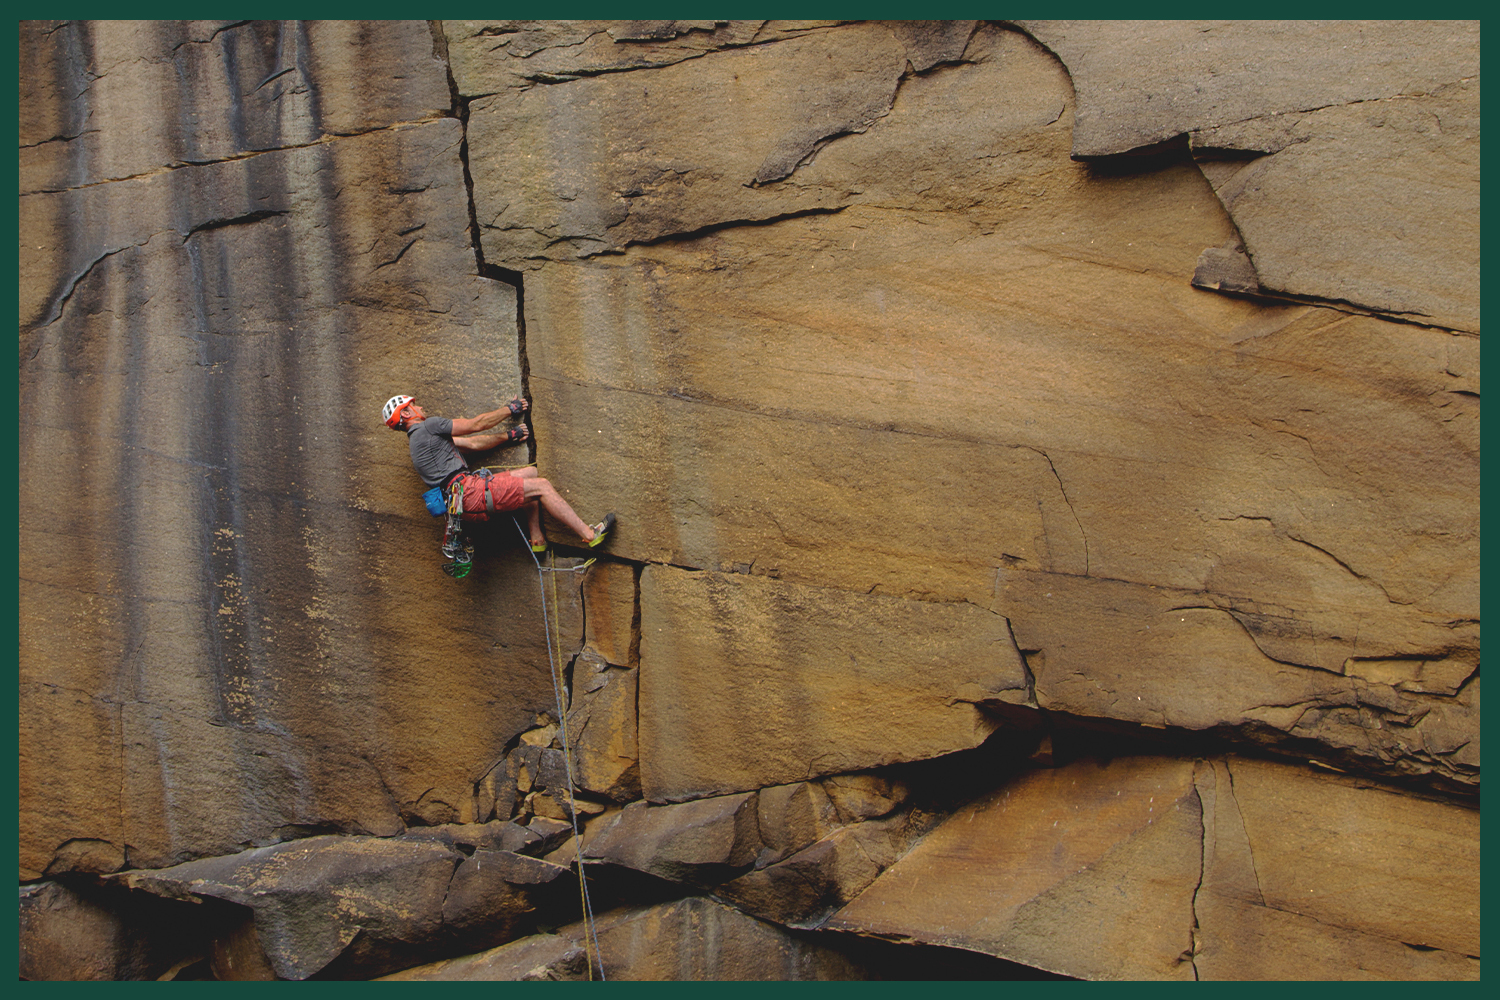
[432, 450]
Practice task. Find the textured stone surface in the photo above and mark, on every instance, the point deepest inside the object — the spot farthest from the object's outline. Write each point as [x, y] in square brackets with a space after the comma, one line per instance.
[1376, 204]
[1050, 409]
[491, 893]
[67, 935]
[692, 939]
[539, 958]
[903, 685]
[883, 342]
[608, 594]
[1152, 868]
[803, 890]
[1307, 877]
[651, 163]
[209, 345]
[367, 904]
[107, 100]
[313, 897]
[1140, 82]
[602, 730]
[1371, 195]
[690, 841]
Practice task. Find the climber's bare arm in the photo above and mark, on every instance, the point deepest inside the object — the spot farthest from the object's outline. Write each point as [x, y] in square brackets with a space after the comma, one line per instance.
[469, 427]
[466, 427]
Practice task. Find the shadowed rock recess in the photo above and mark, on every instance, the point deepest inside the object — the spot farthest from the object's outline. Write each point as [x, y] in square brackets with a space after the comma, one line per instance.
[1047, 465]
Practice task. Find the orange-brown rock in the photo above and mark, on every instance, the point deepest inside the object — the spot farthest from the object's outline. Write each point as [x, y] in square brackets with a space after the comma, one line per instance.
[929, 422]
[1362, 138]
[108, 100]
[1155, 868]
[66, 935]
[807, 681]
[602, 729]
[1054, 424]
[198, 344]
[698, 842]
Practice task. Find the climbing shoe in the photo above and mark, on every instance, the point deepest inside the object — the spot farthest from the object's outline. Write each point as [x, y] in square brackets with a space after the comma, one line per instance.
[539, 547]
[602, 530]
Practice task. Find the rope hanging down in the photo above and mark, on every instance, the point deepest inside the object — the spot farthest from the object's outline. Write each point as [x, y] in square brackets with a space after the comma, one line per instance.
[549, 622]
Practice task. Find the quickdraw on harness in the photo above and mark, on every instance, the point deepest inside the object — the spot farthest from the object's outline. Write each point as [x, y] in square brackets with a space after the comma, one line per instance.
[456, 547]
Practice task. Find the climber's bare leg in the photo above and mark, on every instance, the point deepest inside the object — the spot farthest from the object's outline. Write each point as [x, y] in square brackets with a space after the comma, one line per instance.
[533, 513]
[539, 489]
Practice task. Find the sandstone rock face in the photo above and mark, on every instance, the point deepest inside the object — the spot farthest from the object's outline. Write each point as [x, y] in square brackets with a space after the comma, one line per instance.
[199, 343]
[783, 708]
[1150, 868]
[312, 897]
[981, 403]
[113, 100]
[1363, 138]
[1054, 425]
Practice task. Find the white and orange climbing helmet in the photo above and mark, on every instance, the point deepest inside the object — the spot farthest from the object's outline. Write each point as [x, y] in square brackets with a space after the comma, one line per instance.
[395, 411]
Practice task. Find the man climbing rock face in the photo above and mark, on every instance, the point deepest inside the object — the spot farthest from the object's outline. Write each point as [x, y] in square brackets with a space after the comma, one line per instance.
[438, 446]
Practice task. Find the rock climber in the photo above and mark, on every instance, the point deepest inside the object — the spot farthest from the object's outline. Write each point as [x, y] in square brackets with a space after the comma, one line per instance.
[438, 446]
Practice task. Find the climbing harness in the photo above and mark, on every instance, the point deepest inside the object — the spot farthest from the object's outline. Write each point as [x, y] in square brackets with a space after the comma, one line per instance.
[549, 622]
[456, 547]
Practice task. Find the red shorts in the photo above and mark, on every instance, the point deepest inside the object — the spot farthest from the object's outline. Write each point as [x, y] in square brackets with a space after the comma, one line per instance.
[504, 489]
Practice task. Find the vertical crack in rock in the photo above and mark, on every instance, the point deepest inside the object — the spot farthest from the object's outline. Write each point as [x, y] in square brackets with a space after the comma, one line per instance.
[482, 268]
[1025, 657]
[1195, 936]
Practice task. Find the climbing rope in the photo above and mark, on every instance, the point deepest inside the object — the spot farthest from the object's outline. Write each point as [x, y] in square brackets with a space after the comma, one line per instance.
[549, 622]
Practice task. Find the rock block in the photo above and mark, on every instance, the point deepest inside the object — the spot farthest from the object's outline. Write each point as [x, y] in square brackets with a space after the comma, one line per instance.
[1374, 203]
[1155, 868]
[653, 164]
[313, 897]
[603, 731]
[803, 890]
[738, 689]
[1140, 82]
[1373, 867]
[491, 894]
[74, 936]
[699, 842]
[793, 816]
[610, 612]
[539, 958]
[1320, 572]
[1363, 138]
